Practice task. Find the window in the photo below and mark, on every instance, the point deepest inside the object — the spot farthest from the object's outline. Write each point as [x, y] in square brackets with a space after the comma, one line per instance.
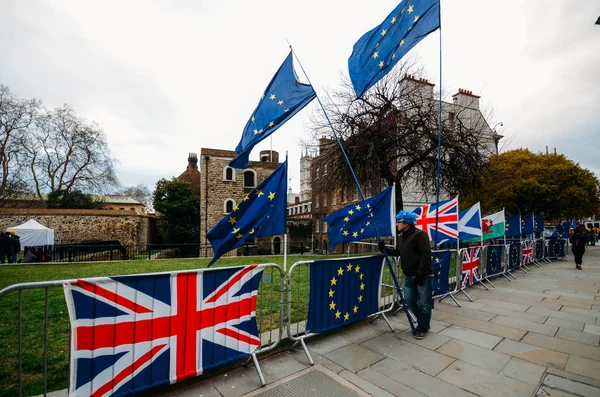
[317, 225]
[228, 174]
[228, 206]
[249, 178]
[333, 199]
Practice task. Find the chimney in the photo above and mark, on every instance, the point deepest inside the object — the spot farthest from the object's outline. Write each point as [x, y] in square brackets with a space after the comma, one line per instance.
[192, 161]
[466, 99]
[411, 83]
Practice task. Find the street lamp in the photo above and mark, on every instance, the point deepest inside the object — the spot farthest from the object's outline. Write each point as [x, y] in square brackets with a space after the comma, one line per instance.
[495, 136]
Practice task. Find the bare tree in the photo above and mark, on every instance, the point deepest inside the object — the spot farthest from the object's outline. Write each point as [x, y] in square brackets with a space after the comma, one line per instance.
[390, 134]
[140, 193]
[16, 117]
[65, 152]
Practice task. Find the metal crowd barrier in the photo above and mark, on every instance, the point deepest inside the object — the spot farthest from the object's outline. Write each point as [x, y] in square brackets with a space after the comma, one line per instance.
[269, 318]
[298, 290]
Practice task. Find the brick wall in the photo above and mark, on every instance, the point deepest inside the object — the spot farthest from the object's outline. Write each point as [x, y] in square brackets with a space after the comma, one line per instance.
[77, 225]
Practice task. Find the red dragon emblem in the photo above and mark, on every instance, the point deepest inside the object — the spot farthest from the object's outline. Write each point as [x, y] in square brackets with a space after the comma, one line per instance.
[486, 225]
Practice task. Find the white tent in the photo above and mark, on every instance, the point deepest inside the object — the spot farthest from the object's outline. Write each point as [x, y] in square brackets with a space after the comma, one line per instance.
[33, 233]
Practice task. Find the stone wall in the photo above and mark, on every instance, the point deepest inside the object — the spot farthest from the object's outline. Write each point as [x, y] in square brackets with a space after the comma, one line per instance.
[77, 225]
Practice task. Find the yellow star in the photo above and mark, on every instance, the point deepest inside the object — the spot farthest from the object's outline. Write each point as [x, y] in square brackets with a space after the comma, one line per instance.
[235, 230]
[251, 231]
[362, 286]
[239, 236]
[383, 32]
[416, 18]
[381, 64]
[410, 9]
[401, 44]
[338, 314]
[358, 207]
[361, 276]
[272, 97]
[286, 110]
[357, 269]
[332, 306]
[349, 267]
[259, 193]
[355, 309]
[232, 221]
[346, 316]
[236, 208]
[246, 198]
[331, 292]
[271, 196]
[340, 272]
[394, 20]
[354, 234]
[280, 102]
[345, 233]
[437, 260]
[351, 212]
[375, 54]
[368, 205]
[360, 298]
[346, 219]
[368, 223]
[262, 96]
[271, 124]
[333, 281]
[253, 119]
[255, 132]
[362, 230]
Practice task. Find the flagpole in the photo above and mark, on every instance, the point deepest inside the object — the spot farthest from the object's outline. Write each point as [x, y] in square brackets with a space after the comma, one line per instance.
[387, 259]
[439, 161]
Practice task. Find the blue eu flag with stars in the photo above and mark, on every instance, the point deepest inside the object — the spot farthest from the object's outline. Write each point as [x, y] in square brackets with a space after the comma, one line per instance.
[353, 223]
[539, 224]
[512, 227]
[261, 213]
[284, 97]
[343, 291]
[376, 53]
[441, 272]
[527, 224]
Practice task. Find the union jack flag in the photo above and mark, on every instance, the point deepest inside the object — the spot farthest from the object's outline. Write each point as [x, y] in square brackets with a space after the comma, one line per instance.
[132, 333]
[447, 220]
[470, 264]
[527, 252]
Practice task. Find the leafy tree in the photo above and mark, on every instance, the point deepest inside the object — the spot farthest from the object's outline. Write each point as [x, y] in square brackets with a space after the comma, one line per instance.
[521, 181]
[390, 135]
[140, 193]
[180, 208]
[73, 199]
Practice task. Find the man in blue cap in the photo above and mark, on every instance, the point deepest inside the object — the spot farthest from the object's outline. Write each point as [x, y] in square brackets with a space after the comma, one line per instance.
[415, 258]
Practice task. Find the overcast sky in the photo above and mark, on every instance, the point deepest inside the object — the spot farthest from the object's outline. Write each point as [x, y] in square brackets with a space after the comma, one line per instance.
[167, 77]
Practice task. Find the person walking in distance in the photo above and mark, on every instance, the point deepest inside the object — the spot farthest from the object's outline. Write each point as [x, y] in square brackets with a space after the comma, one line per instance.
[415, 258]
[578, 241]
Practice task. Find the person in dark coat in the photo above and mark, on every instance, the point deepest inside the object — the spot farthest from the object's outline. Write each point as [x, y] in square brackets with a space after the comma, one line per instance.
[4, 247]
[415, 258]
[578, 242]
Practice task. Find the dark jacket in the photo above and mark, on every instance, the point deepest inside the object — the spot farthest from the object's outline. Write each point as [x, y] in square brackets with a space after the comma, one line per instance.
[414, 252]
[578, 241]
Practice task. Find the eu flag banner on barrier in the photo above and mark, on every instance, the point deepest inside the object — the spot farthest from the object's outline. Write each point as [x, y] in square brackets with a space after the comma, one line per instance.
[513, 226]
[353, 223]
[343, 292]
[470, 267]
[539, 249]
[447, 223]
[284, 97]
[376, 53]
[133, 333]
[494, 259]
[538, 226]
[527, 252]
[469, 223]
[514, 256]
[261, 213]
[556, 248]
[441, 272]
[527, 224]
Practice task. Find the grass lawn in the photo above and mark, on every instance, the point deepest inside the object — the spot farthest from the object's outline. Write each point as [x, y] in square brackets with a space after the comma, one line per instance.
[33, 302]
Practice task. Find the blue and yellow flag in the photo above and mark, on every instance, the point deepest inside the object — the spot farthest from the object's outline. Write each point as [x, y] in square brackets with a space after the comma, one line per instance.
[512, 227]
[494, 259]
[539, 224]
[343, 291]
[514, 255]
[527, 224]
[261, 213]
[353, 223]
[377, 51]
[441, 272]
[284, 97]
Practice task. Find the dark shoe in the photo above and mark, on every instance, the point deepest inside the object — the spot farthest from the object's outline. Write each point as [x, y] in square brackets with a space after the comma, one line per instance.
[578, 267]
[420, 333]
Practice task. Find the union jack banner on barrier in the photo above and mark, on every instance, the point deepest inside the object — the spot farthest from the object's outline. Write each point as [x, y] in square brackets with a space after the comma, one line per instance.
[470, 265]
[132, 333]
[447, 223]
[527, 252]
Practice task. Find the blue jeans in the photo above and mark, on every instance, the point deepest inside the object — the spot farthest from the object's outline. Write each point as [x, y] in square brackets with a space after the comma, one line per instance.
[419, 299]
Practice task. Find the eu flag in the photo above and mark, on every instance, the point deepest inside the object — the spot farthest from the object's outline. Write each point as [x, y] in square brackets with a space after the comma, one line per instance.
[514, 255]
[441, 272]
[376, 53]
[527, 224]
[262, 212]
[343, 291]
[539, 224]
[512, 227]
[284, 97]
[353, 223]
[494, 259]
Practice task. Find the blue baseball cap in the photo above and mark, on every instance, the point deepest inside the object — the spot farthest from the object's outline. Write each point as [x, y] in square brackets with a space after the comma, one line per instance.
[406, 217]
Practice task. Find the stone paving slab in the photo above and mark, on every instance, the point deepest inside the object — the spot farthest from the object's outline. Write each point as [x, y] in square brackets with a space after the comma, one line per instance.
[575, 325]
[519, 323]
[533, 354]
[563, 345]
[502, 331]
[483, 382]
[564, 315]
[577, 303]
[536, 318]
[584, 367]
[395, 387]
[503, 304]
[577, 336]
[524, 371]
[591, 329]
[299, 355]
[569, 386]
[354, 357]
[475, 355]
[545, 304]
[470, 336]
[584, 312]
[431, 342]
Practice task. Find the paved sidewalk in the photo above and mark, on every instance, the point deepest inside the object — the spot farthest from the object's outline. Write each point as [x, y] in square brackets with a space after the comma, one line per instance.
[537, 335]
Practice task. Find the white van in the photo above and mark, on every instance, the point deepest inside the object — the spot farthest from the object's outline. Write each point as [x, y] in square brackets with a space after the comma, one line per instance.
[592, 224]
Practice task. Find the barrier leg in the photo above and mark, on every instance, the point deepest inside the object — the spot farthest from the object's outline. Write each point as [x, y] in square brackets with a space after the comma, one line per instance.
[386, 321]
[510, 274]
[488, 280]
[310, 360]
[467, 295]
[482, 283]
[449, 294]
[258, 370]
[505, 276]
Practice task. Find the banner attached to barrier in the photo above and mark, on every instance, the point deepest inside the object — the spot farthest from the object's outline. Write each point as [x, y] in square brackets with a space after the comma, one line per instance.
[493, 260]
[441, 272]
[514, 256]
[470, 266]
[556, 248]
[527, 252]
[133, 333]
[539, 250]
[343, 291]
